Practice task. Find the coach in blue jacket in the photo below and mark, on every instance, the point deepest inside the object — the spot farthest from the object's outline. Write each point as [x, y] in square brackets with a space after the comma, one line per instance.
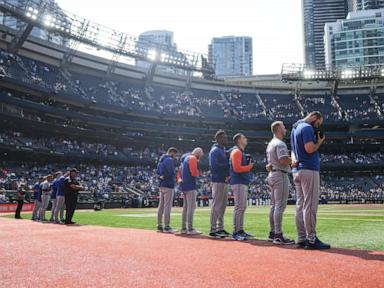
[219, 167]
[167, 177]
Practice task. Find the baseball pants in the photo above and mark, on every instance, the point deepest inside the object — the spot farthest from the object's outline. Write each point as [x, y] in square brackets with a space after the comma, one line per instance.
[219, 203]
[240, 193]
[307, 183]
[36, 210]
[59, 207]
[278, 182]
[44, 205]
[165, 205]
[53, 201]
[189, 207]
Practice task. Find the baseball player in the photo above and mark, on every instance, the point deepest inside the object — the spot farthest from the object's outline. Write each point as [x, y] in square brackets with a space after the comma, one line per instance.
[60, 199]
[219, 167]
[46, 188]
[37, 199]
[305, 145]
[167, 176]
[56, 177]
[187, 175]
[240, 174]
[279, 159]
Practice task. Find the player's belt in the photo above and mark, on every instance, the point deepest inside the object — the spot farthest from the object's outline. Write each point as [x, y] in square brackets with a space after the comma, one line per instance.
[278, 170]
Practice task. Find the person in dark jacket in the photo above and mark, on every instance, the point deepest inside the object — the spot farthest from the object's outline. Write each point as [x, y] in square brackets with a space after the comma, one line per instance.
[219, 167]
[167, 177]
[20, 200]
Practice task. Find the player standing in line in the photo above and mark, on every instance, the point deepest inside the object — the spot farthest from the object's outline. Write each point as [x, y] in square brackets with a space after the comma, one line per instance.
[219, 167]
[167, 176]
[56, 176]
[187, 175]
[46, 188]
[240, 176]
[60, 199]
[37, 199]
[279, 159]
[305, 145]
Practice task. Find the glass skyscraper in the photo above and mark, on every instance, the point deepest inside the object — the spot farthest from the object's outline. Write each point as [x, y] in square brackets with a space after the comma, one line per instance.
[367, 4]
[231, 56]
[315, 14]
[357, 40]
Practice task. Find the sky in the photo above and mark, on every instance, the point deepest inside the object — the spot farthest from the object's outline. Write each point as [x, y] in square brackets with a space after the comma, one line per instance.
[274, 25]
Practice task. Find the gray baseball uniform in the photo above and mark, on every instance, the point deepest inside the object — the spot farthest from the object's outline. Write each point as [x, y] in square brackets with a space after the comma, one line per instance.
[240, 193]
[219, 204]
[45, 196]
[36, 210]
[165, 205]
[307, 183]
[189, 207]
[60, 206]
[278, 181]
[53, 201]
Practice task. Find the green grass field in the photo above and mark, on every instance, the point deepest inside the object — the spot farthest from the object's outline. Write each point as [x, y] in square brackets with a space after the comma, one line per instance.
[347, 226]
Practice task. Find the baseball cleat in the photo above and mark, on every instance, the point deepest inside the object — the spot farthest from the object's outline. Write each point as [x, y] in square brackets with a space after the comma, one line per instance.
[281, 240]
[223, 233]
[215, 235]
[193, 232]
[316, 245]
[271, 236]
[183, 231]
[159, 228]
[238, 236]
[248, 236]
[169, 230]
[302, 244]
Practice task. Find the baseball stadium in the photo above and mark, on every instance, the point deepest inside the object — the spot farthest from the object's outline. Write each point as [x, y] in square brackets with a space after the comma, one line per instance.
[127, 161]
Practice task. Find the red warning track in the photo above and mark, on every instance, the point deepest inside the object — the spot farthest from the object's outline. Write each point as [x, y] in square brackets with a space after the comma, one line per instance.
[46, 255]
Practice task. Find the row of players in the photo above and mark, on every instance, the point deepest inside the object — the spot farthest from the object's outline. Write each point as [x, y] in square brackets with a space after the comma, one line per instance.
[233, 167]
[61, 189]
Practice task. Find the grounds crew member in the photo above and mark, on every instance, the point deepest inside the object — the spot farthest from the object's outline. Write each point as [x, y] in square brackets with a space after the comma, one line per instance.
[167, 176]
[279, 159]
[305, 145]
[20, 200]
[71, 190]
[240, 177]
[219, 167]
[187, 175]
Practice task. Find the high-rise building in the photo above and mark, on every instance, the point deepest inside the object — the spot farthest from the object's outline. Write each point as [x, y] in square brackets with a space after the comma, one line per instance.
[367, 4]
[315, 14]
[231, 56]
[162, 37]
[357, 40]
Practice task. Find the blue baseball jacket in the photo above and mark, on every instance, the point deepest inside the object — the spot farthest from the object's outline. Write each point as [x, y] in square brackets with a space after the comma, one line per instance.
[218, 164]
[188, 172]
[166, 168]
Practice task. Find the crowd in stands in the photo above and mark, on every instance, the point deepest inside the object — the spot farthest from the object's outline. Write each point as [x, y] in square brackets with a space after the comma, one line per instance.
[232, 104]
[105, 179]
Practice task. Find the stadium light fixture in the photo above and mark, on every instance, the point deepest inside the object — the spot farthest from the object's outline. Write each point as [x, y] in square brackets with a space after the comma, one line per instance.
[152, 54]
[32, 13]
[382, 72]
[347, 74]
[308, 73]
